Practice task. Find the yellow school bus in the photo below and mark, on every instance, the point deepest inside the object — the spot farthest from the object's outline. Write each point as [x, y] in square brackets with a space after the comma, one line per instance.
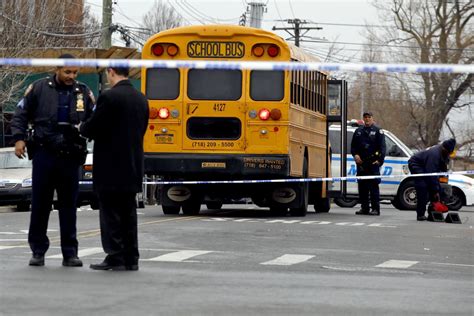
[233, 124]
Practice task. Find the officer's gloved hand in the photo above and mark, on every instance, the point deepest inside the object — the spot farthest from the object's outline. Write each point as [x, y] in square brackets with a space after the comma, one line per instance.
[436, 197]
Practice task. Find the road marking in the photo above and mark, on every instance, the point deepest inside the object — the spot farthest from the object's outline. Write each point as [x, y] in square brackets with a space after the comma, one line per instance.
[288, 260]
[82, 253]
[11, 233]
[453, 264]
[397, 264]
[25, 231]
[6, 247]
[178, 256]
[381, 225]
[363, 269]
[13, 239]
[294, 221]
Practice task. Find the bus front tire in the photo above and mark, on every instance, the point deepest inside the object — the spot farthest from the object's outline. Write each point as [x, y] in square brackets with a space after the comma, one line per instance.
[322, 205]
[345, 202]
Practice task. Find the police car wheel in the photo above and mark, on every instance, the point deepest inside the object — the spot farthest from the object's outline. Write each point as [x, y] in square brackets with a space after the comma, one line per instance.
[406, 197]
[457, 200]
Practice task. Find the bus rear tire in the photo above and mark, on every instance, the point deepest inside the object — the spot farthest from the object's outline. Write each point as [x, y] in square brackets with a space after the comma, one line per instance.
[191, 208]
[278, 211]
[303, 208]
[170, 210]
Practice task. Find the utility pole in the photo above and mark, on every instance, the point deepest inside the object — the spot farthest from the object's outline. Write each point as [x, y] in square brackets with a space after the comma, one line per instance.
[296, 29]
[106, 40]
[256, 13]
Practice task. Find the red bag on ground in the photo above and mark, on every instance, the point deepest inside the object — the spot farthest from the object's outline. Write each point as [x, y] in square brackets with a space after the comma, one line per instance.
[439, 207]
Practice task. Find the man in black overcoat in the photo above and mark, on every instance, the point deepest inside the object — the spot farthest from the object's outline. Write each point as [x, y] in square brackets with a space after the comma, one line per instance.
[117, 127]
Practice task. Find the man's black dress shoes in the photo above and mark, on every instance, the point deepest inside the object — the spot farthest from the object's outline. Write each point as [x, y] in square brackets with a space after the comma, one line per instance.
[374, 213]
[107, 266]
[133, 267]
[37, 260]
[72, 262]
[421, 218]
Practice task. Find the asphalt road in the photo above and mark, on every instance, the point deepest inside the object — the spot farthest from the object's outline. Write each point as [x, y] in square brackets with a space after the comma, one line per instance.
[242, 261]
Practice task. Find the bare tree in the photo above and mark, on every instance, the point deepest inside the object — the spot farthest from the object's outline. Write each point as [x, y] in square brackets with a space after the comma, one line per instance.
[30, 26]
[432, 32]
[161, 17]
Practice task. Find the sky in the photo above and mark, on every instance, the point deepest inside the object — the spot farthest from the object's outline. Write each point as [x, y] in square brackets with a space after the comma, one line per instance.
[324, 13]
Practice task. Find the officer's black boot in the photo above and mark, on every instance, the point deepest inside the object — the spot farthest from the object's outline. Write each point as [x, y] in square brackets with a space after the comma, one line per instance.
[375, 212]
[362, 211]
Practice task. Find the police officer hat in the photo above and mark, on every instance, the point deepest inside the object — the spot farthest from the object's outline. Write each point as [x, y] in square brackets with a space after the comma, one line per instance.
[449, 144]
[367, 113]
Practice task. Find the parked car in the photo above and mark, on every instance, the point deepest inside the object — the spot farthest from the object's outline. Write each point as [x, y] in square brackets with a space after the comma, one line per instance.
[15, 180]
[400, 191]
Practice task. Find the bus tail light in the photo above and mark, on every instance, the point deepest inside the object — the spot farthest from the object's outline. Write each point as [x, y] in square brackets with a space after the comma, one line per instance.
[172, 50]
[258, 50]
[157, 49]
[275, 114]
[153, 113]
[264, 114]
[273, 50]
[163, 113]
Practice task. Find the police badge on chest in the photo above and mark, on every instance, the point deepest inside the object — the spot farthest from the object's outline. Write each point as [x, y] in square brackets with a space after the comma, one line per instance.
[80, 103]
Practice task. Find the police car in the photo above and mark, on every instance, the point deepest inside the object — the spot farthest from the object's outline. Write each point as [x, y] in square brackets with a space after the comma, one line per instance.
[400, 191]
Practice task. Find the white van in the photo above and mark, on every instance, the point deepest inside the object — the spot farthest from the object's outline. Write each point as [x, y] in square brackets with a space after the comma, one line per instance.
[400, 191]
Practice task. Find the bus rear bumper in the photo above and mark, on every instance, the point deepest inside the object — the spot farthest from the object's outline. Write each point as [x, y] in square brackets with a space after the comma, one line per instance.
[218, 166]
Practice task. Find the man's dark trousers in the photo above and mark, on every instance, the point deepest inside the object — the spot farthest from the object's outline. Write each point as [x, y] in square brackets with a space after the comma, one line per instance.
[50, 172]
[366, 187]
[118, 226]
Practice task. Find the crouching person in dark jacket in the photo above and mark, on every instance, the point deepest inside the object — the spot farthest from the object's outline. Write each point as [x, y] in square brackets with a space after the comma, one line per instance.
[431, 160]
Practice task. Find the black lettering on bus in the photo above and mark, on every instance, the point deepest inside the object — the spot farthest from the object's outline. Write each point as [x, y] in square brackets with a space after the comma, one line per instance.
[191, 49]
[205, 49]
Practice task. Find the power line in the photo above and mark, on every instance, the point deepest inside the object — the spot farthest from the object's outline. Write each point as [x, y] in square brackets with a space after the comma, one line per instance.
[291, 8]
[381, 45]
[297, 29]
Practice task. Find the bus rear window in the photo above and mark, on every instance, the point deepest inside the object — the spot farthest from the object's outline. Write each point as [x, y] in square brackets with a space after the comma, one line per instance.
[214, 84]
[214, 128]
[162, 84]
[267, 85]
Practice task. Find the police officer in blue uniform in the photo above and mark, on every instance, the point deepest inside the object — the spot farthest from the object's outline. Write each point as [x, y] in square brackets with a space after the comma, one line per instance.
[431, 160]
[368, 150]
[54, 106]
